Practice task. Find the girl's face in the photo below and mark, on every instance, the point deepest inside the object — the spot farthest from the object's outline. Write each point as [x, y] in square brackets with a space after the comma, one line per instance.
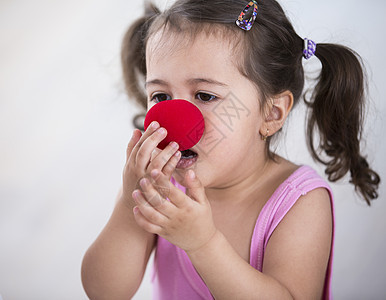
[204, 73]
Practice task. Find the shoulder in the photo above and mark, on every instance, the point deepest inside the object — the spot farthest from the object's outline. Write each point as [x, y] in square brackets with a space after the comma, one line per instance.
[293, 181]
[298, 250]
[313, 206]
[303, 197]
[301, 180]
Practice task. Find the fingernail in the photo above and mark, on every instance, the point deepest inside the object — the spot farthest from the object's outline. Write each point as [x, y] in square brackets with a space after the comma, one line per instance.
[174, 145]
[136, 194]
[177, 154]
[155, 125]
[143, 182]
[135, 210]
[162, 130]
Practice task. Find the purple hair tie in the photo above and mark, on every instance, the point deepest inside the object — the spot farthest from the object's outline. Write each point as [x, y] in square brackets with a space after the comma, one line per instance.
[309, 48]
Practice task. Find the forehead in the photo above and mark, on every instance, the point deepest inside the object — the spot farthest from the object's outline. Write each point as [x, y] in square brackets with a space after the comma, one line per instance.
[209, 51]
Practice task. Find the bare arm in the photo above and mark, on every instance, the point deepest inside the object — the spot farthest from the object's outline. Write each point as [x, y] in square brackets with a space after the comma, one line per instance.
[295, 260]
[114, 265]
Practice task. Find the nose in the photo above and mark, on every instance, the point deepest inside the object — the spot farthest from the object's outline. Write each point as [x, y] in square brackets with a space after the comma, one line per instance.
[183, 121]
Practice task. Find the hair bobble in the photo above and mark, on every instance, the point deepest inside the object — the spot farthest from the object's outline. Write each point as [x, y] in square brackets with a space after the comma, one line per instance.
[309, 48]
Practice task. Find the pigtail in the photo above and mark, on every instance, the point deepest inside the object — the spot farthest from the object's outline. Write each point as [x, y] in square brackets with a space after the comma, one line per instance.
[133, 58]
[337, 113]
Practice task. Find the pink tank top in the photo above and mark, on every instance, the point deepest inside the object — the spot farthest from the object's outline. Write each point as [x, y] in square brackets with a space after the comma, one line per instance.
[174, 276]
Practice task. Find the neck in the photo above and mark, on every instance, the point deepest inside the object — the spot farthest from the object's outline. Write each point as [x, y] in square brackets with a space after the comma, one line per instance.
[242, 188]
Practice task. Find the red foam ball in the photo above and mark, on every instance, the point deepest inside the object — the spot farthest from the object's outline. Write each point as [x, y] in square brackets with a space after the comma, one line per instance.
[183, 121]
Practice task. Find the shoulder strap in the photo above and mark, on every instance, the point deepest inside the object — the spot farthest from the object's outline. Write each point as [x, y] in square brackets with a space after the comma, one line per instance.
[299, 183]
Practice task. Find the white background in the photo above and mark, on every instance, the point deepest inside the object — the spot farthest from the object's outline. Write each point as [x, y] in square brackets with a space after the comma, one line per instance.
[65, 122]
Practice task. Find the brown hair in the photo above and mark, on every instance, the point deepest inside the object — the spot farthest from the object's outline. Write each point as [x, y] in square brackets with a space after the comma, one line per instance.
[272, 58]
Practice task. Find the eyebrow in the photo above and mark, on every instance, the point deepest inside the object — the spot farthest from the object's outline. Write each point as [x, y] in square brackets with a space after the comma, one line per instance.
[189, 81]
[206, 80]
[155, 82]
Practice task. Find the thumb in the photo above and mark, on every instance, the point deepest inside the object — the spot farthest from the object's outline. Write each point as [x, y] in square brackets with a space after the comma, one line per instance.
[194, 187]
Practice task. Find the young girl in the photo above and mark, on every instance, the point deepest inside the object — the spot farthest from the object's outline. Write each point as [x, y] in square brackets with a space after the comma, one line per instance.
[229, 218]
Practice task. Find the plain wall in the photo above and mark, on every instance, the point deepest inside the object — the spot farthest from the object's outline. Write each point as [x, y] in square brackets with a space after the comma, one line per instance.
[65, 122]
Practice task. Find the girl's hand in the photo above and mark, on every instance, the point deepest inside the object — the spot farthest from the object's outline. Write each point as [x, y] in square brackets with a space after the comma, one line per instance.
[142, 156]
[185, 221]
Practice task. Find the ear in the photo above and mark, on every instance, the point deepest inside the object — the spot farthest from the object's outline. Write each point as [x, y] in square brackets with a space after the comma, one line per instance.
[277, 110]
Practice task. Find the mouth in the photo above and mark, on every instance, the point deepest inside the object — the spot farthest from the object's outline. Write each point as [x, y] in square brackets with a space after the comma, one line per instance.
[188, 158]
[188, 154]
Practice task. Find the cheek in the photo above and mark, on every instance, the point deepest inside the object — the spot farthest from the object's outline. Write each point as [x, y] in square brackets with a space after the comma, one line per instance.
[213, 137]
[231, 120]
[234, 112]
[228, 120]
[218, 136]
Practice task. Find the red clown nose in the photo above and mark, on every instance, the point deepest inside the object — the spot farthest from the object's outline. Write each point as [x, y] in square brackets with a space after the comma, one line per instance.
[182, 120]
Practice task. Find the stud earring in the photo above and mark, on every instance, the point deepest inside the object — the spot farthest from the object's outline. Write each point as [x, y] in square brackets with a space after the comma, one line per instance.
[264, 137]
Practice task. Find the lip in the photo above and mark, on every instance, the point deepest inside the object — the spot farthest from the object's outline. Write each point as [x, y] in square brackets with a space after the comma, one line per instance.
[185, 163]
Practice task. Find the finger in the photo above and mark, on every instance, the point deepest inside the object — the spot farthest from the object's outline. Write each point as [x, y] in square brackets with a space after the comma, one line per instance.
[144, 152]
[155, 153]
[161, 183]
[194, 187]
[134, 140]
[148, 211]
[164, 156]
[174, 194]
[149, 131]
[144, 223]
[171, 165]
[152, 196]
[165, 207]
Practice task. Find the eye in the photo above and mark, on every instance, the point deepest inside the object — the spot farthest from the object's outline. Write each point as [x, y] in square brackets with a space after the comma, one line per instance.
[160, 97]
[204, 97]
